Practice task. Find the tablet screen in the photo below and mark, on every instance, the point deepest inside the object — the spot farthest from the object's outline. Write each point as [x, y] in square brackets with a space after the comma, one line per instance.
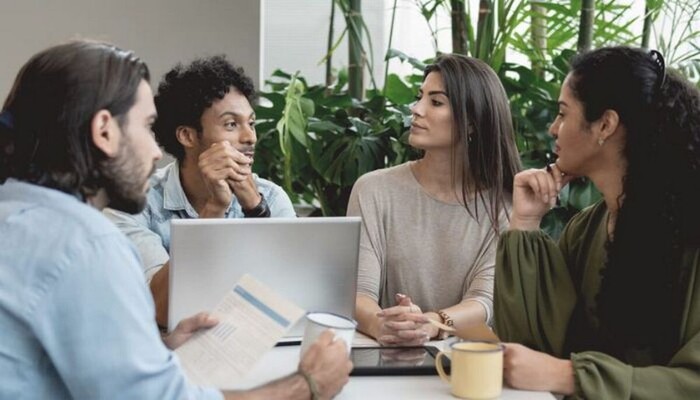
[394, 360]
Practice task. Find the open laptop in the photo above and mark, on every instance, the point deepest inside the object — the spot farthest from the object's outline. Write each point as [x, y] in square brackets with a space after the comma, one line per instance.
[312, 262]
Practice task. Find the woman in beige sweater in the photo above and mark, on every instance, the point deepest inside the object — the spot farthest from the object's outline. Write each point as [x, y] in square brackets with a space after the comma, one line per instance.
[430, 227]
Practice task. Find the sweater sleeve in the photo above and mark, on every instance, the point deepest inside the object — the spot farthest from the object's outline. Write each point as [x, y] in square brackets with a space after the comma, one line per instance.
[371, 256]
[601, 376]
[479, 285]
[534, 295]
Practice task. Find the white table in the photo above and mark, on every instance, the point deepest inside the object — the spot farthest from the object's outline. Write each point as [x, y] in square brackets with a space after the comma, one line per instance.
[282, 361]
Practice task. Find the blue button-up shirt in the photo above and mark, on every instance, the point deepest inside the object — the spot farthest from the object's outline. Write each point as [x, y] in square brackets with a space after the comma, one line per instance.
[76, 318]
[150, 230]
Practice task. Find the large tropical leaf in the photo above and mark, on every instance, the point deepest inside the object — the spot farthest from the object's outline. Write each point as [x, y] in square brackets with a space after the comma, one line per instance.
[397, 91]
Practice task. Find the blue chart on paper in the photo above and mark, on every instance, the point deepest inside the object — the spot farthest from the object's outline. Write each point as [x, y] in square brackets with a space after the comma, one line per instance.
[261, 306]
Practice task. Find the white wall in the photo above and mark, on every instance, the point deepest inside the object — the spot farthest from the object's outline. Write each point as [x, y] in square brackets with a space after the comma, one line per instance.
[162, 32]
[296, 35]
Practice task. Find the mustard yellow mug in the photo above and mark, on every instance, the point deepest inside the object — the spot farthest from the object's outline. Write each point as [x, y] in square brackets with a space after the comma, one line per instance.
[476, 370]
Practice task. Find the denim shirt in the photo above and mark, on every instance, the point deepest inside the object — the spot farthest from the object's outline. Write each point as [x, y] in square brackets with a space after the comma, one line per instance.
[150, 230]
[76, 319]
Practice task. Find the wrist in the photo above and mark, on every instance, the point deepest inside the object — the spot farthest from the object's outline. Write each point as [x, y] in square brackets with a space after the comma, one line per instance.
[524, 223]
[374, 327]
[433, 331]
[261, 210]
[311, 385]
[565, 382]
[445, 319]
[250, 200]
[246, 192]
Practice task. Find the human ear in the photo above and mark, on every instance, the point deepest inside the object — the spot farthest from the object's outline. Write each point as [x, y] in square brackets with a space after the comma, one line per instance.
[187, 136]
[105, 132]
[609, 122]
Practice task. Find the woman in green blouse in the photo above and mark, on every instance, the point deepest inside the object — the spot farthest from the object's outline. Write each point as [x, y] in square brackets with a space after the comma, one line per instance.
[612, 311]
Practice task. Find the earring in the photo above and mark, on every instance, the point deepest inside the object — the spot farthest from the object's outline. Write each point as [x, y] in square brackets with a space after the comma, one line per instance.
[601, 141]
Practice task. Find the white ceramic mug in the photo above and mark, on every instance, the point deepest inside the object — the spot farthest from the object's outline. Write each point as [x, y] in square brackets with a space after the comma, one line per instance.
[318, 322]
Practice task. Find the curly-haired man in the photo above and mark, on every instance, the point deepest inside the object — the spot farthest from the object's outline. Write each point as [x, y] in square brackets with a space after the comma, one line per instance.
[207, 122]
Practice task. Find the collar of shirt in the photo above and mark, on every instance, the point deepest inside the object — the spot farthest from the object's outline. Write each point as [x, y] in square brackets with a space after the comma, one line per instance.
[14, 189]
[174, 198]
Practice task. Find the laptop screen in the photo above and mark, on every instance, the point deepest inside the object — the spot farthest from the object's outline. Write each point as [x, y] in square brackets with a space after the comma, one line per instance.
[311, 262]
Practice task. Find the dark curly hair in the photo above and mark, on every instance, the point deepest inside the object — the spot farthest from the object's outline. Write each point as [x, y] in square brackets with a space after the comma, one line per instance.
[187, 90]
[45, 138]
[644, 285]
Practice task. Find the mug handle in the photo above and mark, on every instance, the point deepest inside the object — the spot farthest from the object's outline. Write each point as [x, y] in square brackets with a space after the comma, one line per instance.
[440, 370]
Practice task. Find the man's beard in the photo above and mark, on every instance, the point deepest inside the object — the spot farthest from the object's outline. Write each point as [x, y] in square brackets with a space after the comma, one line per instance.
[123, 180]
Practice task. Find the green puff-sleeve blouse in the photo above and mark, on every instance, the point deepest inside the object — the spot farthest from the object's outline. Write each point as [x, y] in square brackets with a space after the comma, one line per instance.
[544, 298]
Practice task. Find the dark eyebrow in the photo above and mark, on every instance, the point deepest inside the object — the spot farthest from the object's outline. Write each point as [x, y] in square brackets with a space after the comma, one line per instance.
[152, 117]
[562, 103]
[432, 92]
[235, 114]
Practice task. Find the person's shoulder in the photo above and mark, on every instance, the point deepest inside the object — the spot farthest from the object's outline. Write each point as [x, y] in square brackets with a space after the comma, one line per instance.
[159, 178]
[267, 186]
[385, 176]
[55, 233]
[589, 214]
[586, 220]
[274, 193]
[387, 185]
[277, 199]
[158, 182]
[81, 218]
[59, 220]
[85, 237]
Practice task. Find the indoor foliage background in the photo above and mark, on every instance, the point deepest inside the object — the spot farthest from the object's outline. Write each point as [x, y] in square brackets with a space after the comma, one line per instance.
[316, 140]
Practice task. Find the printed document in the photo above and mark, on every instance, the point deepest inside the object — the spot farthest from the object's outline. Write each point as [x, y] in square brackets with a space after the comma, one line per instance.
[252, 318]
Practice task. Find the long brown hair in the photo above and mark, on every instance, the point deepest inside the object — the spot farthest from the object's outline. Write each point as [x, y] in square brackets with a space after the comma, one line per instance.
[482, 131]
[53, 99]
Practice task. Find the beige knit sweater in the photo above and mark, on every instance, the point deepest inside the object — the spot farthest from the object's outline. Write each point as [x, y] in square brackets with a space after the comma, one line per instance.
[414, 244]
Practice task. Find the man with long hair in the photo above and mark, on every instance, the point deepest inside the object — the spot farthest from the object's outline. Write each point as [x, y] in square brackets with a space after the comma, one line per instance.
[76, 316]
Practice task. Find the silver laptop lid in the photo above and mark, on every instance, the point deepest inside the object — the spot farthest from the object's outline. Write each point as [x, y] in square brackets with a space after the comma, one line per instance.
[310, 261]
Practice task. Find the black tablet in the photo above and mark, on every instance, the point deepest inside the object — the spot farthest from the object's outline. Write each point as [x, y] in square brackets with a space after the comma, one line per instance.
[395, 361]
